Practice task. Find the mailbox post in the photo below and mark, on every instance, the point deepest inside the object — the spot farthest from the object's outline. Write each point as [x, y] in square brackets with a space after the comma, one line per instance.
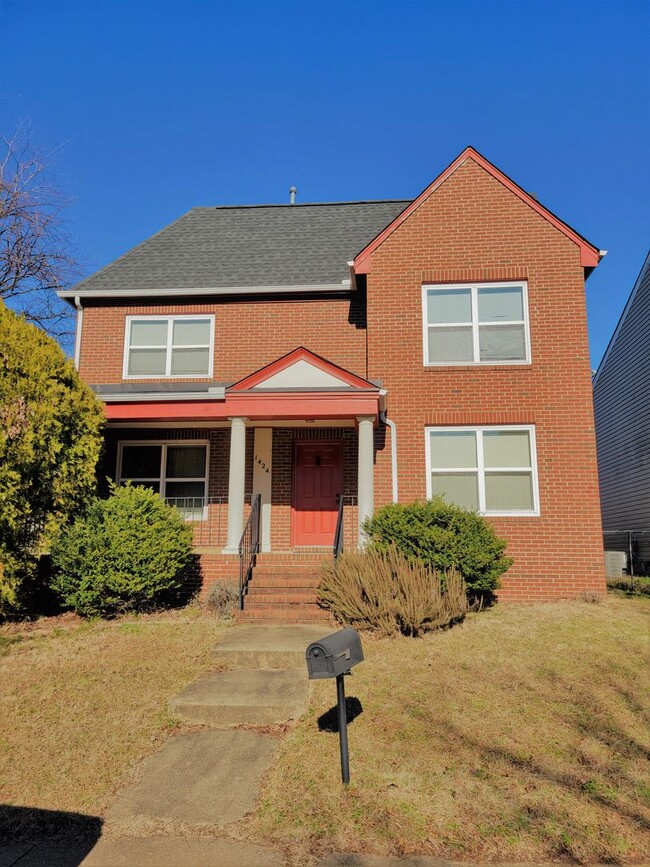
[334, 656]
[343, 729]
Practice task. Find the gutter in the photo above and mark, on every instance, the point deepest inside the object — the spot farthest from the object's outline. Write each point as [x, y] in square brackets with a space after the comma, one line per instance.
[74, 294]
[162, 396]
[77, 339]
[393, 451]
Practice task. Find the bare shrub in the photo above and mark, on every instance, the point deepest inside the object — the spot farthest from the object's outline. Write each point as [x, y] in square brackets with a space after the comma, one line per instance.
[221, 599]
[385, 592]
[591, 596]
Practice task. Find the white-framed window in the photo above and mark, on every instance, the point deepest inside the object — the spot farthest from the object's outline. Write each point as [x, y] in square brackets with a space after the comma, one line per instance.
[476, 323]
[178, 471]
[168, 346]
[492, 470]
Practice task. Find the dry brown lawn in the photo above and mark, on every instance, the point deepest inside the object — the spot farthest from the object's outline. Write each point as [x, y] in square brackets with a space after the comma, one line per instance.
[81, 702]
[520, 735]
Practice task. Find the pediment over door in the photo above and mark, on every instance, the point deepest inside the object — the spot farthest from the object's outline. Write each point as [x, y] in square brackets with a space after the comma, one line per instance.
[302, 370]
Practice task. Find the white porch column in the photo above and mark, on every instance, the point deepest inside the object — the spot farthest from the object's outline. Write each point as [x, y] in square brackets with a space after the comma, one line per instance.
[236, 484]
[366, 471]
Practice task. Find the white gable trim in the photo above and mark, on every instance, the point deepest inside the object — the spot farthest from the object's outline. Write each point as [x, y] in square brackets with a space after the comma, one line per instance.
[301, 374]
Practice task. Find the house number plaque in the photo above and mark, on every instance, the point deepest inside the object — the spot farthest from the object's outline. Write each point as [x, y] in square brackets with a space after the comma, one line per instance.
[265, 467]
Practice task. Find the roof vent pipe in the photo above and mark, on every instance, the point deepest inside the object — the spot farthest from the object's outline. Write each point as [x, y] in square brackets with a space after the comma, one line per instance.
[292, 195]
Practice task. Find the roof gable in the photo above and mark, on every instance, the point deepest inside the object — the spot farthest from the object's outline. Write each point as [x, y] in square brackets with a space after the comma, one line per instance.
[301, 369]
[590, 255]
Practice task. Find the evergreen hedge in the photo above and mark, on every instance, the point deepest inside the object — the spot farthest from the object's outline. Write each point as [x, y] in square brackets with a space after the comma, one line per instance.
[50, 441]
[127, 553]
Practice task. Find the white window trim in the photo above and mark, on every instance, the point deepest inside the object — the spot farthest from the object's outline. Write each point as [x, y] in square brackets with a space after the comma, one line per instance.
[170, 319]
[475, 325]
[480, 468]
[162, 478]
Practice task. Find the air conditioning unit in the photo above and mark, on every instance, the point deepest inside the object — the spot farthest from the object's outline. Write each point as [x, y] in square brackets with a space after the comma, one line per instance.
[615, 563]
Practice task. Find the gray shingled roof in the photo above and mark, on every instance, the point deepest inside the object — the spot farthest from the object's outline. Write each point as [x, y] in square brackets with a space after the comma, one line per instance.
[260, 245]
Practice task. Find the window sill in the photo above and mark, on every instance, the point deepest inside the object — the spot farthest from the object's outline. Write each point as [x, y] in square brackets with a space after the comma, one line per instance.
[509, 514]
[161, 377]
[477, 364]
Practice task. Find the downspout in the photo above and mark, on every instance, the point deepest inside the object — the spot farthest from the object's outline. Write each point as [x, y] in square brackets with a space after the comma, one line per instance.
[80, 322]
[393, 450]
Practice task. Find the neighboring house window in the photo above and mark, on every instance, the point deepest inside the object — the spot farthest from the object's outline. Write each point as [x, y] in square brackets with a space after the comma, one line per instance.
[490, 469]
[178, 472]
[476, 324]
[178, 346]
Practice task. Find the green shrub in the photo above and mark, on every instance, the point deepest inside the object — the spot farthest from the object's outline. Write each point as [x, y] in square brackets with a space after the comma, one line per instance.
[638, 585]
[50, 440]
[443, 536]
[385, 592]
[126, 553]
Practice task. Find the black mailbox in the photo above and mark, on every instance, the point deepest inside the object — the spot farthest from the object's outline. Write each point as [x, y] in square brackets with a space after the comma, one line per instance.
[334, 655]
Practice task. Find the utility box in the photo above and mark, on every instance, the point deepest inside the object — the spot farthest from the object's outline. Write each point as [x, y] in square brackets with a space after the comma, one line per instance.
[334, 655]
[615, 564]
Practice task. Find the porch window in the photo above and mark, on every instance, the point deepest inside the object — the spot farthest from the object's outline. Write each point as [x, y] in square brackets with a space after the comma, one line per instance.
[178, 472]
[476, 324]
[174, 346]
[492, 470]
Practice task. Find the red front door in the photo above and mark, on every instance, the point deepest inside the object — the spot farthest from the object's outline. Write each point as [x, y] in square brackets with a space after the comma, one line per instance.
[318, 478]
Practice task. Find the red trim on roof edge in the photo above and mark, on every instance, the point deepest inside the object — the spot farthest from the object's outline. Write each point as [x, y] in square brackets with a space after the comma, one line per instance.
[589, 255]
[300, 354]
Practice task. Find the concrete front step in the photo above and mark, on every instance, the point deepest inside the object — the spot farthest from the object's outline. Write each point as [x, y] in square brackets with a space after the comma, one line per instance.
[268, 646]
[243, 697]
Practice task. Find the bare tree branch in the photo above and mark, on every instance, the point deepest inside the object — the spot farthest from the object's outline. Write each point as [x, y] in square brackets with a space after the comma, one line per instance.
[35, 255]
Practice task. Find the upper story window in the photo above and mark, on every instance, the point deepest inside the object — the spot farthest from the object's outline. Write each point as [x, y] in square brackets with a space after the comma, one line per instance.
[174, 346]
[474, 323]
[490, 469]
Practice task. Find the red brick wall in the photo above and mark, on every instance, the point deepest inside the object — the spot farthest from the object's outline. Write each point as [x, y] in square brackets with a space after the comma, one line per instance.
[473, 228]
[248, 334]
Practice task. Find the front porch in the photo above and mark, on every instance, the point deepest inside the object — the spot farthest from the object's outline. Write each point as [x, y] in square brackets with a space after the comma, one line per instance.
[293, 442]
[300, 472]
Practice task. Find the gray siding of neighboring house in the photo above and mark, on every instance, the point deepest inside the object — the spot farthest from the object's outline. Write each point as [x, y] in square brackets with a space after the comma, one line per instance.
[622, 411]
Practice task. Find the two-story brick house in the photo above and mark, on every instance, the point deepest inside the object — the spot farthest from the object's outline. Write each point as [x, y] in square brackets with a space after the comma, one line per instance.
[375, 351]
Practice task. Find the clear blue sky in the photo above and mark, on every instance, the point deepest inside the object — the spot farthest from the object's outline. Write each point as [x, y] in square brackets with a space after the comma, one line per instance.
[161, 106]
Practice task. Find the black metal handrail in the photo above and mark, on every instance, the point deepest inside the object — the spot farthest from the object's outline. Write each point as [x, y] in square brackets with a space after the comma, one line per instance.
[338, 534]
[249, 546]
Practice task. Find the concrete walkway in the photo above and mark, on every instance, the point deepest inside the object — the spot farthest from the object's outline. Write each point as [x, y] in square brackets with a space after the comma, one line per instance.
[211, 777]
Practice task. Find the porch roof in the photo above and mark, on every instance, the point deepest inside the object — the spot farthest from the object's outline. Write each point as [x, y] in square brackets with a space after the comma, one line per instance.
[299, 385]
